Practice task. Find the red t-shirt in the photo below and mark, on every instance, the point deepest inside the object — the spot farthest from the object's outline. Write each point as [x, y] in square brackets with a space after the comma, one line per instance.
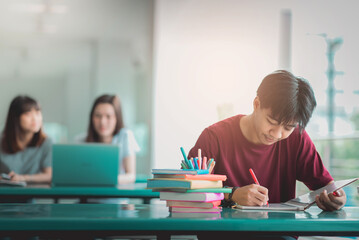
[276, 166]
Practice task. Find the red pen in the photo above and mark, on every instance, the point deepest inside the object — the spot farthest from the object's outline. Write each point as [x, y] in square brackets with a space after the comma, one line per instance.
[254, 178]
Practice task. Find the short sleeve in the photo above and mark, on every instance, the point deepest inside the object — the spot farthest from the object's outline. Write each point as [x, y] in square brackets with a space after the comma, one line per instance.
[46, 158]
[129, 143]
[80, 138]
[310, 168]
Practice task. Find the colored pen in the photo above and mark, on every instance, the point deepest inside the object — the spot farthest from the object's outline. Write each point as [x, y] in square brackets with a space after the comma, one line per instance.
[184, 156]
[199, 158]
[183, 166]
[254, 178]
[204, 163]
[195, 163]
[209, 163]
[191, 163]
[211, 167]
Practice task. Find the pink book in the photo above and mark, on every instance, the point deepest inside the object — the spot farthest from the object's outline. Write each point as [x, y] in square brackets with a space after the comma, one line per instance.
[192, 196]
[195, 210]
[195, 215]
[190, 204]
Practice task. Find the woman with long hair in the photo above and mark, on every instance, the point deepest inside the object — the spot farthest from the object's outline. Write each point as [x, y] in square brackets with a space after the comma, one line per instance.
[25, 151]
[106, 126]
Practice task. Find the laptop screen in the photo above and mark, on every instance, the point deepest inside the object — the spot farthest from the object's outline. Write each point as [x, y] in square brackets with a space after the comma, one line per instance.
[85, 164]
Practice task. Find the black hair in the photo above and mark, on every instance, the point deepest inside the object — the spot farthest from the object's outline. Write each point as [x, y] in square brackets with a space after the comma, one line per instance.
[12, 130]
[290, 98]
[92, 135]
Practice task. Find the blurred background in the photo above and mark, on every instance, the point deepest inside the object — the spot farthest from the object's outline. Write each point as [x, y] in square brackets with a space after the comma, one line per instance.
[179, 66]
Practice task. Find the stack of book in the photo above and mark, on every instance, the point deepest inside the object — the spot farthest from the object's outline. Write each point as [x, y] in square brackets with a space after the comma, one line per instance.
[189, 192]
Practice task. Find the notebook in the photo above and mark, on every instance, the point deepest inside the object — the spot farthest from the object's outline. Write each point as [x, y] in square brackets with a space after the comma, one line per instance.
[302, 202]
[85, 165]
[4, 182]
[5, 179]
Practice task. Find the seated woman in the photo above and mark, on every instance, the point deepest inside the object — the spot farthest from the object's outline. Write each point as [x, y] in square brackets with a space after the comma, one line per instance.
[25, 151]
[106, 126]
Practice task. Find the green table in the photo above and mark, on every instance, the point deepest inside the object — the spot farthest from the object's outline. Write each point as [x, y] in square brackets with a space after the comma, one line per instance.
[100, 220]
[136, 190]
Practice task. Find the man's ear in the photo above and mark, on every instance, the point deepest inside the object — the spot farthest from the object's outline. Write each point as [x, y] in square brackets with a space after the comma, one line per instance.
[256, 103]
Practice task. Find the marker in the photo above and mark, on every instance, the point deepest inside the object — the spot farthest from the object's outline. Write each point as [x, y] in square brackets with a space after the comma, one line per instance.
[191, 163]
[184, 156]
[211, 166]
[204, 163]
[209, 163]
[183, 162]
[199, 158]
[254, 178]
[183, 166]
[195, 163]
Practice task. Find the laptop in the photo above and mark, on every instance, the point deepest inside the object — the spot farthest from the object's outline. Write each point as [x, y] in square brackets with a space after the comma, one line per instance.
[92, 165]
[302, 202]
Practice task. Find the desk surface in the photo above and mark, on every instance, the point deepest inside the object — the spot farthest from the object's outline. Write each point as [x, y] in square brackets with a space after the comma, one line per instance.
[136, 190]
[147, 218]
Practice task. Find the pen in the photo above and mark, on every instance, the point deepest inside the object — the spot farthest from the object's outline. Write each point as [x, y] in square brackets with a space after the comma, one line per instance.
[204, 163]
[191, 163]
[195, 163]
[254, 178]
[183, 162]
[211, 166]
[199, 158]
[209, 163]
[183, 166]
[184, 156]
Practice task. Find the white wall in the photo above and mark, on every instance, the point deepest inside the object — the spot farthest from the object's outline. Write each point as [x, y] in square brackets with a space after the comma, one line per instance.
[34, 88]
[208, 53]
[115, 75]
[97, 47]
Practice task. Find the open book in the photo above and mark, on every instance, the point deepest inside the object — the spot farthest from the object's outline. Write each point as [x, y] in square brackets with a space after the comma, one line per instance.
[302, 202]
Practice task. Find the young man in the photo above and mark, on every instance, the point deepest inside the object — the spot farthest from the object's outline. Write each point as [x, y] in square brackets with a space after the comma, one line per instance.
[272, 141]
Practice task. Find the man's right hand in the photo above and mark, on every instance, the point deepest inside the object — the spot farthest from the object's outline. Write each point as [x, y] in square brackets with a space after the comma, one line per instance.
[251, 195]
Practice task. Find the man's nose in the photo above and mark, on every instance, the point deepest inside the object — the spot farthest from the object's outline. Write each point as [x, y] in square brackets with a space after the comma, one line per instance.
[276, 132]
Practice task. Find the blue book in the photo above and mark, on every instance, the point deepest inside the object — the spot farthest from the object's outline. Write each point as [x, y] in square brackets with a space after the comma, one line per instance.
[180, 171]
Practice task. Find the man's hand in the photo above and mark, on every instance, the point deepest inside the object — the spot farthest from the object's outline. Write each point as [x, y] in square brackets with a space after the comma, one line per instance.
[16, 177]
[251, 195]
[332, 201]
